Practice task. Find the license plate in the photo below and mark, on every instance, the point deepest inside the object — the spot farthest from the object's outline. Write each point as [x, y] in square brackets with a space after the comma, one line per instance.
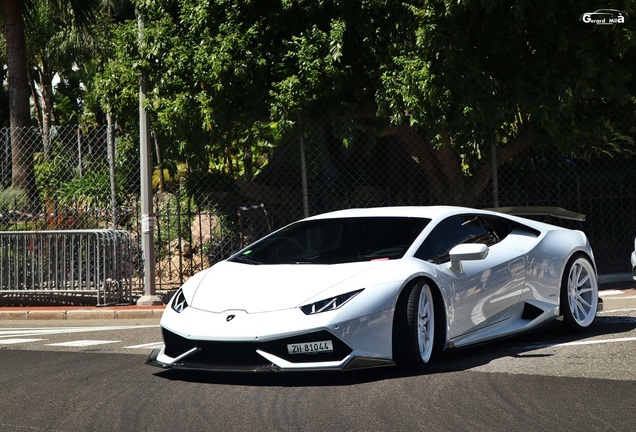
[310, 347]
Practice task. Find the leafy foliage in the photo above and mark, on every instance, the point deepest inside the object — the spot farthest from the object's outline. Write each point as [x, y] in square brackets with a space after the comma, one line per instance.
[12, 199]
[92, 190]
[454, 80]
[50, 174]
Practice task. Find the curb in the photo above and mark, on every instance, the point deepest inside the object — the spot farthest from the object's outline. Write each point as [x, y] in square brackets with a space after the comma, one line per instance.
[79, 314]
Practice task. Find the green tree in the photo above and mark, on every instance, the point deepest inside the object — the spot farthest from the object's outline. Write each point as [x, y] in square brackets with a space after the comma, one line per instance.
[56, 45]
[4, 95]
[483, 75]
[14, 15]
[454, 81]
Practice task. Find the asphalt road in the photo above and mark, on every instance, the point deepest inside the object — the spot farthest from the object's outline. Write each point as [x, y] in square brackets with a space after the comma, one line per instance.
[548, 380]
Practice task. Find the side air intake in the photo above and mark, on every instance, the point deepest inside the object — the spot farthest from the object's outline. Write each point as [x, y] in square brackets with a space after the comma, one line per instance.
[530, 312]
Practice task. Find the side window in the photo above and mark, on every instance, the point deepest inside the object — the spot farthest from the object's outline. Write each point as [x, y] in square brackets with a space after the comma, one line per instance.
[500, 227]
[455, 230]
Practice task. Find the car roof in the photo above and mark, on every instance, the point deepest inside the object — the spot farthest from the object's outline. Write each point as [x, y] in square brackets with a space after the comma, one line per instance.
[430, 212]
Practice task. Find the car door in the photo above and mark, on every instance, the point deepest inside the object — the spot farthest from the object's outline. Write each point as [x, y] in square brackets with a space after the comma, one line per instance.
[485, 291]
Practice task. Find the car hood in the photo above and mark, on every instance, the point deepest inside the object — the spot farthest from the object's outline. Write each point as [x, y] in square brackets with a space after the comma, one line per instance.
[263, 288]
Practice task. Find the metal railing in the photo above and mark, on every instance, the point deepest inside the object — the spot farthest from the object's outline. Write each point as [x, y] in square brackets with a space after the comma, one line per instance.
[89, 262]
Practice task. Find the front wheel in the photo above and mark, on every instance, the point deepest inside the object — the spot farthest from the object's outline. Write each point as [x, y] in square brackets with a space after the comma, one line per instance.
[415, 336]
[579, 293]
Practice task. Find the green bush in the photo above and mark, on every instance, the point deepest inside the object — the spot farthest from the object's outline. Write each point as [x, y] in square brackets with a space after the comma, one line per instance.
[92, 190]
[50, 175]
[12, 199]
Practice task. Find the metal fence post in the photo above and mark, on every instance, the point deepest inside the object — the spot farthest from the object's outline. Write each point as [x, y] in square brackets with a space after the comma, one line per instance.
[147, 216]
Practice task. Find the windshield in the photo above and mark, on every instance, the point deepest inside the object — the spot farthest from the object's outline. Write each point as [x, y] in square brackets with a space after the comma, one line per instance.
[334, 241]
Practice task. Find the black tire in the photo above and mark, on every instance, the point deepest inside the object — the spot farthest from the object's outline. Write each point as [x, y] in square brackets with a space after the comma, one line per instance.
[418, 328]
[579, 293]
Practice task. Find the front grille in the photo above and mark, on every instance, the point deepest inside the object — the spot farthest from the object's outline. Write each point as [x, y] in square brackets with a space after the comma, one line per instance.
[244, 353]
[175, 344]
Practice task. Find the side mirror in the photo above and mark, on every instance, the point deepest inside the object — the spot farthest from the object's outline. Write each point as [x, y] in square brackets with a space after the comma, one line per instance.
[467, 252]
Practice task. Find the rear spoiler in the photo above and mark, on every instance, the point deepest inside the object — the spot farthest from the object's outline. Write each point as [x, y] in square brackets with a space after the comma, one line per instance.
[557, 212]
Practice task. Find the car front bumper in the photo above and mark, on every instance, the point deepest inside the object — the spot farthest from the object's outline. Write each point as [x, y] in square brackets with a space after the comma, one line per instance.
[270, 356]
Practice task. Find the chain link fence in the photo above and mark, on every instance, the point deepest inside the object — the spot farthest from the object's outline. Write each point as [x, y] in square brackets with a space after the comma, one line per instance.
[88, 179]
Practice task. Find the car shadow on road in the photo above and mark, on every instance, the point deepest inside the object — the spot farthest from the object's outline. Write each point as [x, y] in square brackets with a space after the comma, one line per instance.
[521, 346]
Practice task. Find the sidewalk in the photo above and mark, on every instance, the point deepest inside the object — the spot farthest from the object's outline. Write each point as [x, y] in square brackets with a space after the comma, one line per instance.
[22, 313]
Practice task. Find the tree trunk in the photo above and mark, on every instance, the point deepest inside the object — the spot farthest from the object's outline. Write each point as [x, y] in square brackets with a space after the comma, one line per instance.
[47, 109]
[43, 104]
[23, 176]
[162, 180]
[443, 166]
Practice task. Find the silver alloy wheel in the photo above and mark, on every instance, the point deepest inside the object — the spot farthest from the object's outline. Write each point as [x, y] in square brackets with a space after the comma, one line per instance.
[582, 289]
[425, 323]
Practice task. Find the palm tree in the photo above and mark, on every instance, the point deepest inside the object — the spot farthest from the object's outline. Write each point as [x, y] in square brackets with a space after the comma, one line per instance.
[55, 45]
[22, 175]
[14, 15]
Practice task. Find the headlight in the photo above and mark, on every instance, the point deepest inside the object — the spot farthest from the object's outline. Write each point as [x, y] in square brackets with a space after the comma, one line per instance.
[179, 302]
[329, 304]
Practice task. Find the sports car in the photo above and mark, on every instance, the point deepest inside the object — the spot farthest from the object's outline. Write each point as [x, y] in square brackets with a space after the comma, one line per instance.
[361, 288]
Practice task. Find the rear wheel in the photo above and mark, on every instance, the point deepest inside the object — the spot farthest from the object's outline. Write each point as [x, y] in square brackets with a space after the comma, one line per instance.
[579, 293]
[415, 335]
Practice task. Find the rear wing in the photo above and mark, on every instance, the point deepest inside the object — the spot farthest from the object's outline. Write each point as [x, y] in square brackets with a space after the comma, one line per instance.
[557, 212]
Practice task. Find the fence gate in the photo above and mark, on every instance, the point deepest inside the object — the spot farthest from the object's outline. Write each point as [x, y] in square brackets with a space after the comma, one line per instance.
[91, 262]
